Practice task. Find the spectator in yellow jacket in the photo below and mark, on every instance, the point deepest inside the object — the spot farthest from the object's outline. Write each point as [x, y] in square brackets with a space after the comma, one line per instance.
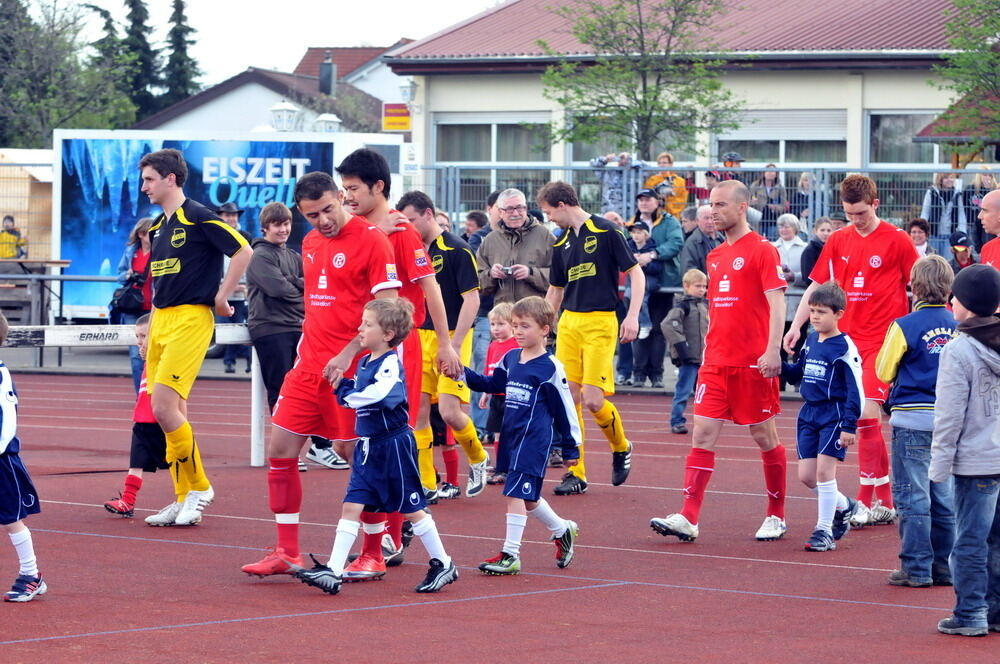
[670, 186]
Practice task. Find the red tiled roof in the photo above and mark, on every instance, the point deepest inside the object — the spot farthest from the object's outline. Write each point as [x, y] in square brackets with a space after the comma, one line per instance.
[347, 59]
[514, 28]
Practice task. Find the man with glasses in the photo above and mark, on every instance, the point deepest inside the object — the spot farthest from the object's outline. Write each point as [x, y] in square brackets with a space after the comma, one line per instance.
[514, 261]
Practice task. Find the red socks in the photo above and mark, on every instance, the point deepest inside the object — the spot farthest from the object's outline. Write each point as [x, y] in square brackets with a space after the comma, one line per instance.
[394, 526]
[883, 487]
[284, 489]
[697, 473]
[450, 456]
[775, 462]
[132, 486]
[372, 541]
[871, 448]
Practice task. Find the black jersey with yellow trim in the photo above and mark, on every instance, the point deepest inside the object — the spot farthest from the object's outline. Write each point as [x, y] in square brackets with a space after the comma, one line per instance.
[187, 251]
[586, 265]
[456, 271]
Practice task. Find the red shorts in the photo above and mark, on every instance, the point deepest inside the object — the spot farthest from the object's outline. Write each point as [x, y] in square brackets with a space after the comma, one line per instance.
[412, 356]
[875, 389]
[307, 406]
[738, 394]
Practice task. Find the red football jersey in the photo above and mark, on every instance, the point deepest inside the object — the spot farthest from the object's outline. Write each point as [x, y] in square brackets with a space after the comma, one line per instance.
[739, 275]
[874, 271]
[412, 265]
[342, 274]
[990, 254]
[144, 403]
[495, 353]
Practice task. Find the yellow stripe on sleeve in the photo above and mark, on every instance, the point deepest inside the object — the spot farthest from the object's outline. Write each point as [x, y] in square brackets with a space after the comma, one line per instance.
[889, 357]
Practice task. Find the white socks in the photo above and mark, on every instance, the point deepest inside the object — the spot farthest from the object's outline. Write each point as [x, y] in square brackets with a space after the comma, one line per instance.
[548, 516]
[343, 541]
[515, 530]
[25, 552]
[830, 500]
[429, 537]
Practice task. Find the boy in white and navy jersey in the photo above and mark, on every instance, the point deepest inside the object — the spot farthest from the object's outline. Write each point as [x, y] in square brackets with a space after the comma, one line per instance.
[538, 413]
[384, 475]
[829, 370]
[18, 497]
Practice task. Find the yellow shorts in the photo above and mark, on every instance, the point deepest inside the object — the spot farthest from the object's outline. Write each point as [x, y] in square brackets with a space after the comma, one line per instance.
[434, 382]
[585, 344]
[178, 339]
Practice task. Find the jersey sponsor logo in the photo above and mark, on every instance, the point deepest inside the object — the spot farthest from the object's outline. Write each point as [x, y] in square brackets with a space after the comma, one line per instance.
[178, 237]
[724, 285]
[518, 394]
[390, 271]
[340, 260]
[438, 262]
[421, 257]
[166, 266]
[321, 282]
[859, 281]
[582, 270]
[738, 263]
[590, 244]
[781, 273]
[875, 261]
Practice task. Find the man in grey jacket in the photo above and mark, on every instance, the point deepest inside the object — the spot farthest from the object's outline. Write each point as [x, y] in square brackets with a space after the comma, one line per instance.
[514, 261]
[702, 240]
[966, 444]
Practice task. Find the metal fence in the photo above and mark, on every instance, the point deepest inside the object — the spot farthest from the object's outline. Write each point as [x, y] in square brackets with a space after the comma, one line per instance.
[458, 189]
[26, 195]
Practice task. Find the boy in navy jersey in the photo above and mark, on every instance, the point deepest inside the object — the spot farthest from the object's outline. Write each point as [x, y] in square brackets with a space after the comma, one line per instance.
[538, 413]
[384, 475]
[829, 370]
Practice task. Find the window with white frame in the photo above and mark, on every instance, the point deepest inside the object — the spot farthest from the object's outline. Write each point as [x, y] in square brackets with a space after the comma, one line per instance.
[890, 138]
[796, 137]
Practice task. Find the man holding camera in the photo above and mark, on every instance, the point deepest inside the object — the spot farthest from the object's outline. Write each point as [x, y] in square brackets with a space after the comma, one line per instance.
[514, 261]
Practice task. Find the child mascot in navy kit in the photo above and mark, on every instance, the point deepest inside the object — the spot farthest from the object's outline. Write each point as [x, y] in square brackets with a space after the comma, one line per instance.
[829, 370]
[384, 475]
[538, 414]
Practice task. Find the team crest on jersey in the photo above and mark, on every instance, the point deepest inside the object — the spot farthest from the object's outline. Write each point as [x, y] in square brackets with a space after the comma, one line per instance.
[390, 271]
[178, 237]
[875, 261]
[420, 257]
[339, 260]
[738, 263]
[590, 244]
[438, 262]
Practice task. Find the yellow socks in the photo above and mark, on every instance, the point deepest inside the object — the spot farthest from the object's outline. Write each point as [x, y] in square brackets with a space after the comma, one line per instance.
[610, 421]
[469, 440]
[425, 457]
[182, 452]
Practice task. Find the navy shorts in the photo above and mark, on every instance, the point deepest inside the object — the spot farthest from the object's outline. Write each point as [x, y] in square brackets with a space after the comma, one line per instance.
[813, 439]
[384, 475]
[18, 497]
[149, 447]
[523, 486]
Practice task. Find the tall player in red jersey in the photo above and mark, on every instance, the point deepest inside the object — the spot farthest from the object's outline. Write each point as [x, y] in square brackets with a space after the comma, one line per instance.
[346, 262]
[366, 181]
[871, 260]
[989, 217]
[739, 379]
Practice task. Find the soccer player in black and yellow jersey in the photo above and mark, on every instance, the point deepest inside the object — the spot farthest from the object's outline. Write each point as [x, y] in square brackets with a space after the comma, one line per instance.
[188, 243]
[586, 262]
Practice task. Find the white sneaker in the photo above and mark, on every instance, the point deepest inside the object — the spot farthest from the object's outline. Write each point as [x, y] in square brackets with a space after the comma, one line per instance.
[773, 528]
[880, 515]
[477, 478]
[165, 517]
[676, 525]
[644, 331]
[862, 516]
[327, 457]
[193, 506]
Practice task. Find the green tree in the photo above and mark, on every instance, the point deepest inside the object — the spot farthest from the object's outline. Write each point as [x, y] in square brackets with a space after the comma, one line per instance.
[972, 73]
[181, 71]
[60, 85]
[145, 73]
[650, 74]
[14, 20]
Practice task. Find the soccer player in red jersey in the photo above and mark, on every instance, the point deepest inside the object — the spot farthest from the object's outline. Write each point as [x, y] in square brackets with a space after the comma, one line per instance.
[346, 262]
[366, 180]
[989, 217]
[871, 260]
[739, 380]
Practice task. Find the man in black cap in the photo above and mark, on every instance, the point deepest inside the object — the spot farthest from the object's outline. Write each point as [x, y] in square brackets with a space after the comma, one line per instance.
[733, 160]
[962, 255]
[230, 214]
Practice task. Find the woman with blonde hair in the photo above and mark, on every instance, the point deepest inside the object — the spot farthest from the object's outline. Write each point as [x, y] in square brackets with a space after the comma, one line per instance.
[982, 184]
[943, 210]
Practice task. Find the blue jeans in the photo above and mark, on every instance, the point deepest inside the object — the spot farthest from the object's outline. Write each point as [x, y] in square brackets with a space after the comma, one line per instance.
[926, 509]
[687, 376]
[133, 352]
[975, 560]
[625, 360]
[480, 342]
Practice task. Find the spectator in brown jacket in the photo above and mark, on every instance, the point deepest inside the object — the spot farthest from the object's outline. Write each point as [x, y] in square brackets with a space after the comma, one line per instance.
[514, 260]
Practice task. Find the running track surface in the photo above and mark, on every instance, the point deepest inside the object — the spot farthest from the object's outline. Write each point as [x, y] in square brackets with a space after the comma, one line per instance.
[123, 591]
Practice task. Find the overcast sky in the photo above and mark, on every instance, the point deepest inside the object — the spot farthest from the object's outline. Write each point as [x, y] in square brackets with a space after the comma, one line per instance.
[273, 34]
